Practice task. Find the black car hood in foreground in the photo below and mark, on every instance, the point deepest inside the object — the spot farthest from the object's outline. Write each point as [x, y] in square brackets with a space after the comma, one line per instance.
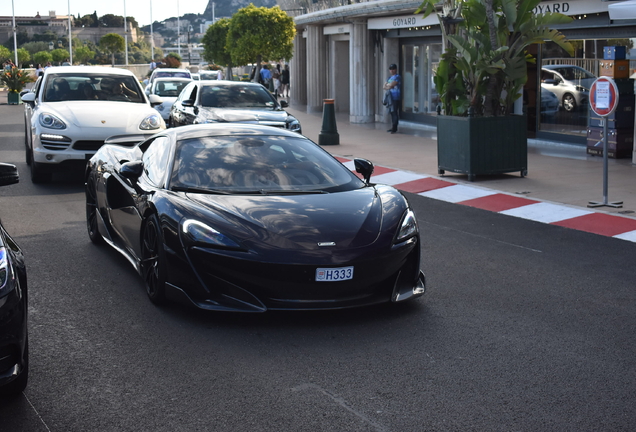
[338, 220]
[234, 115]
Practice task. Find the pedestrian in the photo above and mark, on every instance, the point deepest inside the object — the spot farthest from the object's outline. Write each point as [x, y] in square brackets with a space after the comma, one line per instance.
[39, 71]
[392, 85]
[153, 65]
[266, 75]
[219, 75]
[276, 82]
[284, 81]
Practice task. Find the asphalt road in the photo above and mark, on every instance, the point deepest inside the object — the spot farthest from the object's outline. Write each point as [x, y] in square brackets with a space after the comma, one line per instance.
[525, 327]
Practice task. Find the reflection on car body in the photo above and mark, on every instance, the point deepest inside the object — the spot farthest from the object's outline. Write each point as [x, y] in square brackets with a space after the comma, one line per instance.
[237, 217]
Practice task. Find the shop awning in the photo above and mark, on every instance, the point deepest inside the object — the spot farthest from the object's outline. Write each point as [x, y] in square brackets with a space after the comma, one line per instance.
[622, 11]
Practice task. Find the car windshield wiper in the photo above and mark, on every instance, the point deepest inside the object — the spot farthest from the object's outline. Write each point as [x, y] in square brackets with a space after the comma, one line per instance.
[195, 189]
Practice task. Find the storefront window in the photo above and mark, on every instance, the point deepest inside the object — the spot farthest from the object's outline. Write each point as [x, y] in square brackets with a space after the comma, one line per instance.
[565, 82]
[419, 62]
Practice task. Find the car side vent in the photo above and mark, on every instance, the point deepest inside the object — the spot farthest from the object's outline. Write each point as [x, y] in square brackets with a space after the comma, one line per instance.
[54, 145]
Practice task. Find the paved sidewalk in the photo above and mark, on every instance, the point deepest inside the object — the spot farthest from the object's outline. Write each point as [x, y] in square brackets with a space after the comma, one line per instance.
[562, 179]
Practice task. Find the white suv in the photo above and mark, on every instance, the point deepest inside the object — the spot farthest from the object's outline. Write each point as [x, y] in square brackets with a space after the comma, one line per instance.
[72, 110]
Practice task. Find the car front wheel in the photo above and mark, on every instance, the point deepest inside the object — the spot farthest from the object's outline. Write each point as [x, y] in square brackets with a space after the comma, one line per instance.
[153, 261]
[91, 211]
[569, 103]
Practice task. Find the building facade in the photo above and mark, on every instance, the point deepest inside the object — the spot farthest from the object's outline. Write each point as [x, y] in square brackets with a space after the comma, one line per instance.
[344, 53]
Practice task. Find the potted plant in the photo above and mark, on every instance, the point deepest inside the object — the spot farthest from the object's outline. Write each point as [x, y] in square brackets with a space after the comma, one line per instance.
[15, 79]
[480, 75]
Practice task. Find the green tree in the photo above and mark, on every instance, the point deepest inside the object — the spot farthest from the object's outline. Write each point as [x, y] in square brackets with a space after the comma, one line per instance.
[83, 54]
[260, 34]
[34, 47]
[214, 44]
[110, 20]
[59, 55]
[42, 57]
[23, 56]
[112, 43]
[5, 54]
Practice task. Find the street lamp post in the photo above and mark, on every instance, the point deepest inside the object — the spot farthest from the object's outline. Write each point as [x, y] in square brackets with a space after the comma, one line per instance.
[70, 34]
[126, 33]
[15, 40]
[178, 31]
[152, 38]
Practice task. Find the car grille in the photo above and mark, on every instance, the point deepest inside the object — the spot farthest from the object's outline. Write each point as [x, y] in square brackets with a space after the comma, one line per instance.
[88, 145]
[55, 144]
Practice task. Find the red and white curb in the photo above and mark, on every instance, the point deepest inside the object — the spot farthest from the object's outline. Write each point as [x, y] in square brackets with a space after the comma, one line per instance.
[500, 202]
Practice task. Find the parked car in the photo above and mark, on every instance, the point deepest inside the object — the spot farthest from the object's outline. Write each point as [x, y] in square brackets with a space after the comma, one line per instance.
[73, 109]
[571, 84]
[168, 89]
[233, 102]
[237, 217]
[14, 341]
[167, 73]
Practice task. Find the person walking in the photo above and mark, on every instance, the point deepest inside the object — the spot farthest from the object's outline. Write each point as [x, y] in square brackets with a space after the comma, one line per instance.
[393, 85]
[284, 81]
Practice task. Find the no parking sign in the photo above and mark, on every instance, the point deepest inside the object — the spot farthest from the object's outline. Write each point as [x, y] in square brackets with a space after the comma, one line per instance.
[603, 96]
[603, 101]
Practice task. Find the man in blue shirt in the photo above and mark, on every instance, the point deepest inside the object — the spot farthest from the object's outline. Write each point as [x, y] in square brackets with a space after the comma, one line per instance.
[266, 75]
[393, 86]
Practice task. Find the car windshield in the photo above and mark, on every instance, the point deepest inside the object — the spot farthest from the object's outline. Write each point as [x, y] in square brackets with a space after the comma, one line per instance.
[169, 88]
[173, 74]
[91, 87]
[575, 73]
[236, 96]
[211, 75]
[257, 164]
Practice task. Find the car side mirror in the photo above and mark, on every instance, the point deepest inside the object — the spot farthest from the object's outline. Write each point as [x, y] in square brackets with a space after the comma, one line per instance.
[132, 170]
[284, 104]
[155, 100]
[365, 168]
[29, 98]
[8, 174]
[188, 102]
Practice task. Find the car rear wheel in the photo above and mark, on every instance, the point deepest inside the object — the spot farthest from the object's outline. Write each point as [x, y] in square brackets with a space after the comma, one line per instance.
[569, 103]
[153, 261]
[91, 211]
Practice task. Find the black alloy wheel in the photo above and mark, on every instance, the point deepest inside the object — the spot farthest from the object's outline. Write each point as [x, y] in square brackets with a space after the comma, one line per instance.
[91, 211]
[153, 261]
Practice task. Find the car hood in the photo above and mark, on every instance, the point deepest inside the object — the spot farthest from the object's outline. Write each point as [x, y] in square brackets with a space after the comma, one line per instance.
[90, 114]
[343, 219]
[252, 115]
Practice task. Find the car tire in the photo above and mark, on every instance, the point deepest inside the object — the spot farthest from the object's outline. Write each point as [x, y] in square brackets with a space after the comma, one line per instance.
[19, 384]
[569, 102]
[38, 175]
[91, 211]
[153, 261]
[27, 151]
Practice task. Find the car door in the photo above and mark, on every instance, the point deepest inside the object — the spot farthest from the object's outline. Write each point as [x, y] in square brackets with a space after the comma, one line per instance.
[28, 115]
[126, 196]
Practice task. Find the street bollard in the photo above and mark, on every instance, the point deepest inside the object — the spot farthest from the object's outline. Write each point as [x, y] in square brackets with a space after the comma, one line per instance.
[329, 132]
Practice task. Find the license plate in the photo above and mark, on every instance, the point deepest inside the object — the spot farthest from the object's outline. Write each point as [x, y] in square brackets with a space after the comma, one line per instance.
[334, 274]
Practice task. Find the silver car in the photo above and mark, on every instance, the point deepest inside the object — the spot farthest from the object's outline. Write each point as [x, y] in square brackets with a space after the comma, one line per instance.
[571, 84]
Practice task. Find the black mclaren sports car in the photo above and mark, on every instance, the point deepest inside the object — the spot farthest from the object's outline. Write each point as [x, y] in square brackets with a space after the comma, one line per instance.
[238, 217]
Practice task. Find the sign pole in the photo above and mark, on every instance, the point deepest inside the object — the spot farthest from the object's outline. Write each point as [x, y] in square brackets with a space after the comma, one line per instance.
[603, 101]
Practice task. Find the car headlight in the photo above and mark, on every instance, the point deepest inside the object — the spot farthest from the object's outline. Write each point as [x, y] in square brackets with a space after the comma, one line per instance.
[195, 233]
[408, 227]
[50, 121]
[294, 125]
[5, 273]
[153, 121]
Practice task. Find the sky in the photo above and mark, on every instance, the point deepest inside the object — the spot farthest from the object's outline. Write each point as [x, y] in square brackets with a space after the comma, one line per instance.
[139, 9]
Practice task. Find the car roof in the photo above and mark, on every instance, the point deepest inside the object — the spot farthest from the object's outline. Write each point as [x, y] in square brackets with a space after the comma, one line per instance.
[172, 79]
[561, 66]
[72, 70]
[228, 129]
[224, 83]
